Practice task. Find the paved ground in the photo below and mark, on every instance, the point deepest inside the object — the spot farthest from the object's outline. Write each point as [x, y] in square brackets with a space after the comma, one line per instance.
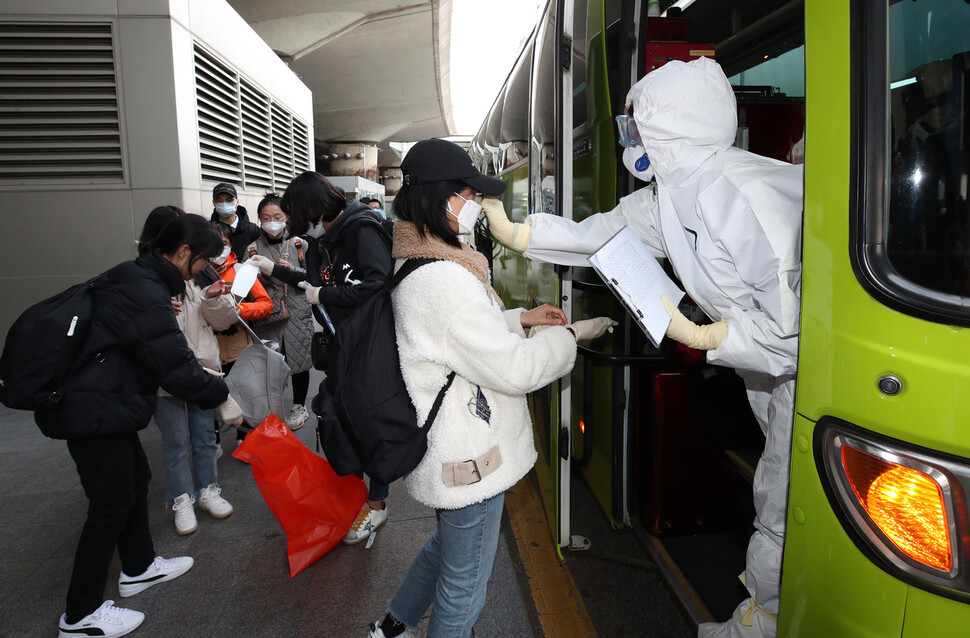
[239, 586]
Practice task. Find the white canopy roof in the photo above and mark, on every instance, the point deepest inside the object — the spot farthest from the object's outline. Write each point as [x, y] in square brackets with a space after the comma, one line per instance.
[378, 69]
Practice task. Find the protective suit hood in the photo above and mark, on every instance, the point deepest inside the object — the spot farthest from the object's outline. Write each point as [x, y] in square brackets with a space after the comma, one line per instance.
[685, 112]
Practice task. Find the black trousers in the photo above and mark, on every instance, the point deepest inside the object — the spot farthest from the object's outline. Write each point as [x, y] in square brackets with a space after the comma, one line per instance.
[114, 473]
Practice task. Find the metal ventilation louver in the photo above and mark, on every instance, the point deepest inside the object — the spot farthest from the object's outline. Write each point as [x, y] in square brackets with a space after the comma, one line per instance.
[257, 157]
[301, 146]
[217, 101]
[59, 117]
[245, 137]
[282, 146]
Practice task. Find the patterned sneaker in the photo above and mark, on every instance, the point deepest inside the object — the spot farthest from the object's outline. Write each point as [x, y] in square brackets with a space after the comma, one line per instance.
[159, 571]
[368, 520]
[185, 522]
[211, 501]
[107, 620]
[298, 416]
[396, 630]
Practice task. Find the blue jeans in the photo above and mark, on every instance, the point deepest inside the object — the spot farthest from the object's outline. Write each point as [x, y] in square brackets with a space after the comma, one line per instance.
[185, 427]
[452, 571]
[377, 491]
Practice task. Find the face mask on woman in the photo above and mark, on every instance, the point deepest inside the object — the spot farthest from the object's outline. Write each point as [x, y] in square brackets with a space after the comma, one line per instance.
[273, 229]
[226, 209]
[223, 256]
[467, 216]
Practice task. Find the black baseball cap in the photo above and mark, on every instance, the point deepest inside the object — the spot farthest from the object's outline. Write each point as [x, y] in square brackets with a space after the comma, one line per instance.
[437, 160]
[224, 188]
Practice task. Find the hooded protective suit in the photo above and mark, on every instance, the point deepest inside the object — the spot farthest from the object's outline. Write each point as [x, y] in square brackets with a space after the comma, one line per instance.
[729, 221]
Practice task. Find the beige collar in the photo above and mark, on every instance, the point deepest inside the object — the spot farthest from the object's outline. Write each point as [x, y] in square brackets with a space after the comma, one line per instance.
[409, 244]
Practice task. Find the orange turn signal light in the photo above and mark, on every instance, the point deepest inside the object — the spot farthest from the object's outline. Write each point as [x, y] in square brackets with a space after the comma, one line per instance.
[905, 504]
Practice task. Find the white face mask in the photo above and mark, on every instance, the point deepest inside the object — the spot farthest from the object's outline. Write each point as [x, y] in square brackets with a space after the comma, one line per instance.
[226, 209]
[273, 229]
[467, 216]
[223, 256]
[636, 161]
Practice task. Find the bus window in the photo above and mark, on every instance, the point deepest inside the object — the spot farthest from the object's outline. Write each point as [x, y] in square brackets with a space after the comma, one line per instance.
[928, 218]
[786, 73]
[514, 129]
[542, 146]
[579, 64]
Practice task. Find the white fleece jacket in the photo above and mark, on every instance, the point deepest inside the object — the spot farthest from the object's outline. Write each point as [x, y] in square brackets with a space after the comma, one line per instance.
[445, 320]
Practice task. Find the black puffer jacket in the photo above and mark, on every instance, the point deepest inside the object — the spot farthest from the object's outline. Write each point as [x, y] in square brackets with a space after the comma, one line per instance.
[351, 261]
[245, 232]
[134, 346]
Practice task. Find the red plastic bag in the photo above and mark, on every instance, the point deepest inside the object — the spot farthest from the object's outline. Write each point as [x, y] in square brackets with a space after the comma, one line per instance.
[314, 506]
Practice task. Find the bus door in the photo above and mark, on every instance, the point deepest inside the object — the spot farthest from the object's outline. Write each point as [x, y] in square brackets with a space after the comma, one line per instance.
[550, 191]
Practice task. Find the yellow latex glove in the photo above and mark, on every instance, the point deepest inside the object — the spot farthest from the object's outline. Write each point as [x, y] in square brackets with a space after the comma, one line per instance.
[689, 333]
[515, 236]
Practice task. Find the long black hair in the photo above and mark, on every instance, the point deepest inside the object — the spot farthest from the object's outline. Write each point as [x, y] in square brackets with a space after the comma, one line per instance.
[193, 231]
[310, 198]
[426, 206]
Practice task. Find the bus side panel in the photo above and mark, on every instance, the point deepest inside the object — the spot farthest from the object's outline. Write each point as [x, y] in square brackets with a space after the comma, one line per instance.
[931, 615]
[847, 341]
[829, 588]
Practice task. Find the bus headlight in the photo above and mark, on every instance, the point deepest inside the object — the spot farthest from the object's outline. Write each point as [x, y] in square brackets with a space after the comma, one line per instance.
[903, 506]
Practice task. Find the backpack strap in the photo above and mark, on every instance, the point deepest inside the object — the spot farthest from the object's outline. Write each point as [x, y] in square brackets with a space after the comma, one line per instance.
[75, 338]
[408, 267]
[439, 400]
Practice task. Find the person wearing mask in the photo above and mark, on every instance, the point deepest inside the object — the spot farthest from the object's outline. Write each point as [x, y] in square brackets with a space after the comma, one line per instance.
[228, 213]
[345, 266]
[235, 339]
[186, 428]
[449, 319]
[375, 204]
[729, 221]
[291, 323]
[138, 345]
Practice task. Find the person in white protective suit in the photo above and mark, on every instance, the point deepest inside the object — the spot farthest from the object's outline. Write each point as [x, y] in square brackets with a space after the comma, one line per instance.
[729, 221]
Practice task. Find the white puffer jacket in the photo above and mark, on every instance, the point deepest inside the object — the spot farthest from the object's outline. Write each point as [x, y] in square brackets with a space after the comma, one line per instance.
[446, 320]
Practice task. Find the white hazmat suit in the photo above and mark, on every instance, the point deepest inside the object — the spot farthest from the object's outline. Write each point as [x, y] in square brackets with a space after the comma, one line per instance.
[729, 221]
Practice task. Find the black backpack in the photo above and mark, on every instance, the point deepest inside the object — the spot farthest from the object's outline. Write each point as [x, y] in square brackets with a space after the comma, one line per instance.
[43, 347]
[365, 419]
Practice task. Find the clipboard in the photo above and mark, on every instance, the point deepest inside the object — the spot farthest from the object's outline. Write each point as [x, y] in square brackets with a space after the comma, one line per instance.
[637, 279]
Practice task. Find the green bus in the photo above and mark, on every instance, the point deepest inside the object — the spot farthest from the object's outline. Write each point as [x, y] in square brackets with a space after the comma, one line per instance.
[875, 96]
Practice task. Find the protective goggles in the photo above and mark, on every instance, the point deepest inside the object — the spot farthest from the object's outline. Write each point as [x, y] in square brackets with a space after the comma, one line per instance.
[629, 135]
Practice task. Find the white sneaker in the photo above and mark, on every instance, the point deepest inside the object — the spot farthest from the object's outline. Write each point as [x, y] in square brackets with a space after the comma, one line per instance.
[107, 620]
[159, 571]
[211, 501]
[298, 416]
[185, 522]
[368, 520]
